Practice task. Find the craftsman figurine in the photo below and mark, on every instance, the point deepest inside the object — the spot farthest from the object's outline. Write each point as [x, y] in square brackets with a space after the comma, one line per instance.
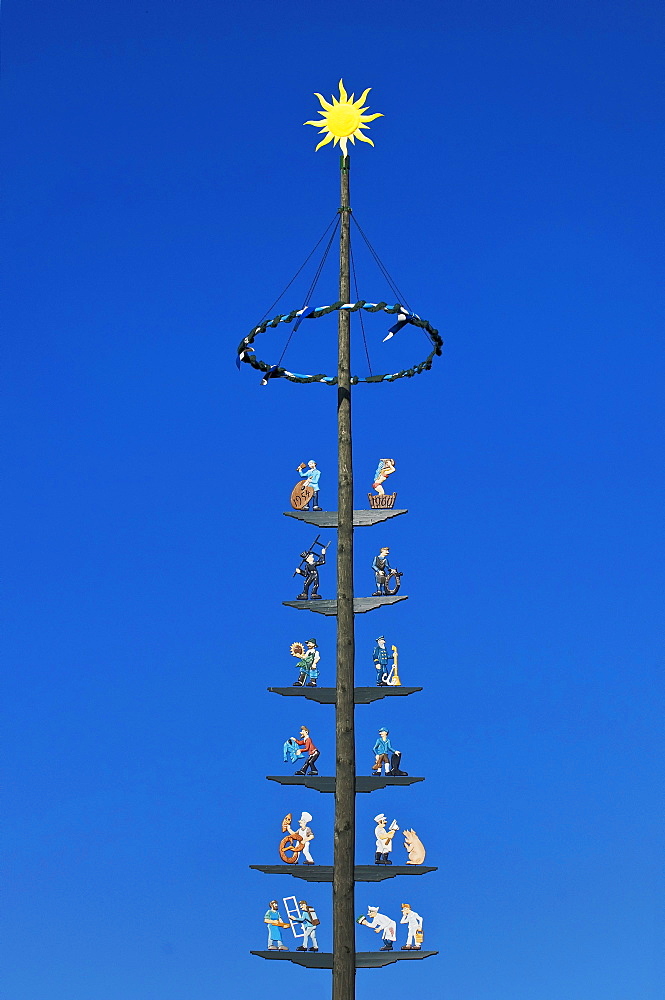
[382, 748]
[275, 924]
[309, 922]
[381, 924]
[414, 922]
[308, 658]
[381, 657]
[386, 468]
[311, 476]
[310, 571]
[297, 841]
[307, 748]
[384, 839]
[383, 572]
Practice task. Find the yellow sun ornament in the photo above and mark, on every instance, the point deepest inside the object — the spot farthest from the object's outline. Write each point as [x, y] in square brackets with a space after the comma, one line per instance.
[343, 119]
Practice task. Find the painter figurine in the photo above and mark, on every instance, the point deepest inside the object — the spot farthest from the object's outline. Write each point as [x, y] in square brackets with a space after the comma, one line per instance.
[386, 756]
[414, 923]
[382, 925]
[308, 921]
[309, 568]
[386, 468]
[297, 841]
[384, 839]
[307, 490]
[414, 847]
[384, 574]
[275, 924]
[308, 658]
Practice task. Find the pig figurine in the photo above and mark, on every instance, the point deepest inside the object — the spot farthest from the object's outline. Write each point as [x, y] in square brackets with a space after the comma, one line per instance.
[415, 847]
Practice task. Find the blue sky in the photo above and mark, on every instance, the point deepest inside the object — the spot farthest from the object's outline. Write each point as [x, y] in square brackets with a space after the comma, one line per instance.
[162, 191]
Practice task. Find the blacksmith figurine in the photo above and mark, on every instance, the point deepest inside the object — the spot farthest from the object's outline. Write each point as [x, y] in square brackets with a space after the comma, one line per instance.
[311, 573]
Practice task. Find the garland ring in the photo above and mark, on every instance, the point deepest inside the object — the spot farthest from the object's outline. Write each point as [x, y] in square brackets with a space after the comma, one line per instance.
[247, 355]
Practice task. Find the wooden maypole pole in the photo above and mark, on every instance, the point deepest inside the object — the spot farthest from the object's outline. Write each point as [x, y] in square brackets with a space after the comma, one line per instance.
[344, 951]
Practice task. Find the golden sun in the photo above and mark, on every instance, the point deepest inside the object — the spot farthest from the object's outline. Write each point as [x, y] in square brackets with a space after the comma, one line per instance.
[343, 119]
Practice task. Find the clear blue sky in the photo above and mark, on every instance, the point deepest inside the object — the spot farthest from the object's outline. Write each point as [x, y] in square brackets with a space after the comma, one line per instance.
[162, 191]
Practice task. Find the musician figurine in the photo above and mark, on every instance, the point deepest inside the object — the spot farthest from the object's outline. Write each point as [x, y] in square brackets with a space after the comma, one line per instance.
[386, 468]
[384, 573]
[386, 756]
[414, 922]
[307, 489]
[275, 925]
[308, 658]
[309, 568]
[380, 924]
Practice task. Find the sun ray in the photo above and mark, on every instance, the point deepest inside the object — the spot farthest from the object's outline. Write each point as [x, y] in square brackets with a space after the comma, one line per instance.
[361, 100]
[324, 103]
[343, 119]
[324, 141]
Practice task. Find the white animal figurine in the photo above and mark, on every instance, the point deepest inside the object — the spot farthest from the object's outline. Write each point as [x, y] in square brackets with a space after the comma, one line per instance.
[414, 847]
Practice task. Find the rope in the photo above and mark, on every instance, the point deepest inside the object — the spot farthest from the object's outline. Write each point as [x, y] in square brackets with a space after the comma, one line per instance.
[334, 221]
[311, 287]
[360, 315]
[384, 270]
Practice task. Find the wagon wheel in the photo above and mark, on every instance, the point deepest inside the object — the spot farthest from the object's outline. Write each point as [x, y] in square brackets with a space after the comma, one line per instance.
[396, 577]
[294, 843]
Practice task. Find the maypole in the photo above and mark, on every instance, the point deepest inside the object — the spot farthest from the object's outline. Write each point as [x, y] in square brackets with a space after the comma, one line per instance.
[341, 121]
[344, 951]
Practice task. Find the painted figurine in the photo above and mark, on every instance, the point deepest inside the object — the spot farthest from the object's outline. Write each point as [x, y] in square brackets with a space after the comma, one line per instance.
[308, 658]
[382, 925]
[381, 657]
[311, 476]
[297, 841]
[308, 921]
[414, 923]
[415, 847]
[383, 573]
[384, 839]
[385, 468]
[386, 672]
[310, 570]
[295, 748]
[386, 756]
[275, 924]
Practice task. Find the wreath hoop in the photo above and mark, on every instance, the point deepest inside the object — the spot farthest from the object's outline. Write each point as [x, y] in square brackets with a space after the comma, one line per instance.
[247, 355]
